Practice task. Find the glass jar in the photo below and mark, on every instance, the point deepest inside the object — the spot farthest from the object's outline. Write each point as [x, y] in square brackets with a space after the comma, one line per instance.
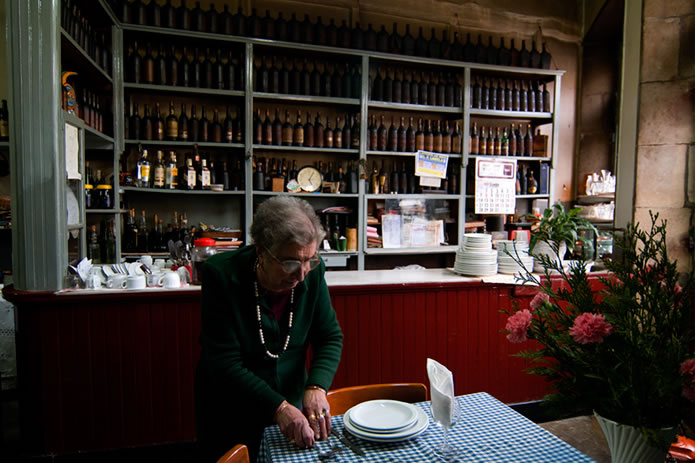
[105, 196]
[202, 249]
[89, 196]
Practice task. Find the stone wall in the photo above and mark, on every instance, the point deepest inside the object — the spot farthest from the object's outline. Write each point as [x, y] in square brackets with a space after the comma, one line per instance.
[665, 151]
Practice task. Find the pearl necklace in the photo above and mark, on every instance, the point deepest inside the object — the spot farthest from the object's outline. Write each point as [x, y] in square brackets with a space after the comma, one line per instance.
[258, 318]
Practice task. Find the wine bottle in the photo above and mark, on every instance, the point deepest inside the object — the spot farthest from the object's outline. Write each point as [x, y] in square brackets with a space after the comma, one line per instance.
[287, 131]
[298, 131]
[428, 137]
[372, 141]
[480, 144]
[146, 129]
[469, 50]
[194, 125]
[239, 22]
[393, 137]
[395, 40]
[421, 44]
[318, 132]
[535, 57]
[500, 98]
[437, 138]
[546, 98]
[347, 135]
[514, 54]
[328, 135]
[446, 139]
[182, 126]
[378, 87]
[225, 24]
[135, 63]
[171, 173]
[401, 137]
[149, 65]
[529, 141]
[268, 26]
[207, 71]
[394, 179]
[503, 54]
[218, 71]
[433, 45]
[388, 86]
[512, 141]
[308, 132]
[382, 136]
[316, 80]
[344, 34]
[135, 124]
[205, 132]
[370, 38]
[307, 30]
[198, 18]
[457, 48]
[228, 127]
[172, 124]
[457, 139]
[406, 88]
[481, 52]
[441, 91]
[332, 34]
[420, 136]
[356, 37]
[408, 43]
[184, 17]
[525, 57]
[277, 133]
[538, 98]
[545, 57]
[383, 40]
[216, 129]
[445, 46]
[338, 134]
[410, 137]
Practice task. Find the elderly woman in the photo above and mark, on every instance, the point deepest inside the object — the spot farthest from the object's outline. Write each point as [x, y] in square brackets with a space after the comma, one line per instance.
[263, 306]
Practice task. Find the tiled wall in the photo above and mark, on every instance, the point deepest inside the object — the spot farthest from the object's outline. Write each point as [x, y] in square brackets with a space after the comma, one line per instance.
[665, 157]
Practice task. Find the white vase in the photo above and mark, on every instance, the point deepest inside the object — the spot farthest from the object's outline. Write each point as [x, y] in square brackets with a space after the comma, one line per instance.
[628, 445]
[542, 248]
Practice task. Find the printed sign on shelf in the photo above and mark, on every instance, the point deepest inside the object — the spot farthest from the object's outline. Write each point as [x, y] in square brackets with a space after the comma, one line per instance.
[495, 186]
[431, 164]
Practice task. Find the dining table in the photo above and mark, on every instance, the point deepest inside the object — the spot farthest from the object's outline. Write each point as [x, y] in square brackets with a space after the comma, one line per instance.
[486, 431]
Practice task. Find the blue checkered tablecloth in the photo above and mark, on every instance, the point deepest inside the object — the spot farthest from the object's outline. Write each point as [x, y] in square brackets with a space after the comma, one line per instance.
[488, 431]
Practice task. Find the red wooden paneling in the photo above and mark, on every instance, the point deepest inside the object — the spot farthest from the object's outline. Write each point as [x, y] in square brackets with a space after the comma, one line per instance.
[101, 373]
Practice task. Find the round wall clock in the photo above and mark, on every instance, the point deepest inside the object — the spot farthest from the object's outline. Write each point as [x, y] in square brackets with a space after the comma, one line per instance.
[309, 179]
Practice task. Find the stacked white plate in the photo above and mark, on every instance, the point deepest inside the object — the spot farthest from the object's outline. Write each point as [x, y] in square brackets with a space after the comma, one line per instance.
[475, 255]
[516, 249]
[385, 421]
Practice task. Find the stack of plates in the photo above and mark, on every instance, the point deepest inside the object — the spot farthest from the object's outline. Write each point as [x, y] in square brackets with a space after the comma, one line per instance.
[385, 421]
[475, 256]
[516, 249]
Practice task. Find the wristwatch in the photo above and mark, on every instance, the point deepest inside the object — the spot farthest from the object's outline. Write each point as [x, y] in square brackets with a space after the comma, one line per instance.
[309, 179]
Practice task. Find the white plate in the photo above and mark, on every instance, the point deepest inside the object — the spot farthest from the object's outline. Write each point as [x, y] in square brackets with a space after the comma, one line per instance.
[383, 415]
[415, 430]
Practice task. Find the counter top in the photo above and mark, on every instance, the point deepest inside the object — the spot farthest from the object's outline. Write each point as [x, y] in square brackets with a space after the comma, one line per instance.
[404, 277]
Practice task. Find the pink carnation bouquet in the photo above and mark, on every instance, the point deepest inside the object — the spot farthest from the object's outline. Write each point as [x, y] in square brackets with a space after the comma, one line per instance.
[621, 343]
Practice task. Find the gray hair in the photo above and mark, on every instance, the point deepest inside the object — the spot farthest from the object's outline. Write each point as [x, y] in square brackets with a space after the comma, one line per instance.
[281, 220]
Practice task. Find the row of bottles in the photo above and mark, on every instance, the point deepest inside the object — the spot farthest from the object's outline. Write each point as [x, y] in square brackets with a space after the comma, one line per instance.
[142, 235]
[344, 174]
[91, 39]
[402, 180]
[4, 122]
[526, 182]
[495, 141]
[402, 86]
[344, 135]
[189, 67]
[85, 104]
[101, 244]
[306, 77]
[184, 127]
[198, 172]
[502, 95]
[331, 34]
[429, 135]
[99, 193]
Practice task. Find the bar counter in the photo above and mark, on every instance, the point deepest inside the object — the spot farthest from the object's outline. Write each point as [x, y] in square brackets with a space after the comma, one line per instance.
[107, 369]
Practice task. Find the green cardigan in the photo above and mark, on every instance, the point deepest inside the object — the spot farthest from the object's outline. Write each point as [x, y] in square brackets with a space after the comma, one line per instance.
[239, 388]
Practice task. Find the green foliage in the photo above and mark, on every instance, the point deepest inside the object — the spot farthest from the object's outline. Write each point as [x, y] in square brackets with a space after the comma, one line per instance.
[633, 376]
[557, 225]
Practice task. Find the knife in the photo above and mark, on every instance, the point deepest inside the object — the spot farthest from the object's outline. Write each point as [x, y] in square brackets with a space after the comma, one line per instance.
[344, 440]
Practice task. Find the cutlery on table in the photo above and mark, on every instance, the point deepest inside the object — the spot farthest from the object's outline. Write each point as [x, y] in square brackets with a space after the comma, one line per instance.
[344, 440]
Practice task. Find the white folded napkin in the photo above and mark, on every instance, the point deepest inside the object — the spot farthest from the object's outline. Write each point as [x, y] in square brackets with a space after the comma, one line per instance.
[441, 392]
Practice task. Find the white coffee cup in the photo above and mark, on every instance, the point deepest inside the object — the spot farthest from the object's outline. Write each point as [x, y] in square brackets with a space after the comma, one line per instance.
[136, 282]
[117, 281]
[160, 264]
[171, 280]
[147, 260]
[93, 282]
[155, 279]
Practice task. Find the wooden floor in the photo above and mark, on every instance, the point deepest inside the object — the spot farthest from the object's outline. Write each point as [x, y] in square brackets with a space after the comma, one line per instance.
[583, 433]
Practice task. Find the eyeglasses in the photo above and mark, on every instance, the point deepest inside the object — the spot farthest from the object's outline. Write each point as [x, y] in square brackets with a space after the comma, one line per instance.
[291, 265]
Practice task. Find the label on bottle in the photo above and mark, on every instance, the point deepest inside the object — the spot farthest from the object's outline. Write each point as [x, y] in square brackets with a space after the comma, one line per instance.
[158, 179]
[4, 129]
[205, 179]
[144, 174]
[191, 179]
[170, 177]
[287, 136]
[172, 129]
[299, 136]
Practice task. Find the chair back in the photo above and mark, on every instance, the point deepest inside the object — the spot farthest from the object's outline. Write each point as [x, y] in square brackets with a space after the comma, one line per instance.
[341, 400]
[237, 454]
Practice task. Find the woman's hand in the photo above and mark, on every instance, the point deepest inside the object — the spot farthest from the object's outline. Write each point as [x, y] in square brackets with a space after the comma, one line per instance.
[294, 426]
[316, 407]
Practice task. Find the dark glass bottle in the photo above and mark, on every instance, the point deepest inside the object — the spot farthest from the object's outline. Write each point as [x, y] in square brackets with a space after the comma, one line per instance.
[126, 14]
[344, 34]
[139, 13]
[525, 57]
[388, 86]
[332, 34]
[531, 98]
[446, 138]
[406, 88]
[394, 179]
[395, 40]
[491, 52]
[546, 98]
[173, 67]
[519, 97]
[230, 73]
[294, 30]
[428, 141]
[278, 129]
[481, 52]
[316, 80]
[268, 26]
[357, 38]
[287, 131]
[457, 139]
[185, 69]
[347, 135]
[198, 18]
[215, 131]
[146, 128]
[149, 65]
[281, 28]
[512, 141]
[392, 136]
[295, 78]
[432, 90]
[441, 91]
[154, 14]
[258, 127]
[338, 134]
[457, 52]
[161, 67]
[204, 132]
[423, 90]
[135, 124]
[327, 81]
[356, 81]
[408, 43]
[503, 54]
[336, 83]
[212, 20]
[383, 40]
[420, 136]
[485, 95]
[370, 38]
[396, 88]
[182, 127]
[401, 137]
[308, 132]
[433, 45]
[225, 21]
[172, 124]
[318, 132]
[267, 129]
[514, 54]
[469, 50]
[135, 64]
[545, 57]
[183, 17]
[415, 88]
[254, 27]
[194, 125]
[306, 86]
[378, 87]
[445, 46]
[500, 96]
[207, 70]
[437, 138]
[346, 84]
[274, 77]
[228, 127]
[239, 22]
[372, 134]
[535, 57]
[328, 134]
[538, 98]
[382, 136]
[284, 77]
[320, 32]
[410, 137]
[196, 68]
[307, 30]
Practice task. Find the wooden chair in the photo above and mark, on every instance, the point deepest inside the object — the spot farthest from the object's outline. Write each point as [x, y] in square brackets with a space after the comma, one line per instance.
[341, 400]
[237, 454]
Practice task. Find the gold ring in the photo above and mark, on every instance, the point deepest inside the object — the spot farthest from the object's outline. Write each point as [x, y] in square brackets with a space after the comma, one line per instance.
[312, 417]
[322, 415]
[292, 441]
